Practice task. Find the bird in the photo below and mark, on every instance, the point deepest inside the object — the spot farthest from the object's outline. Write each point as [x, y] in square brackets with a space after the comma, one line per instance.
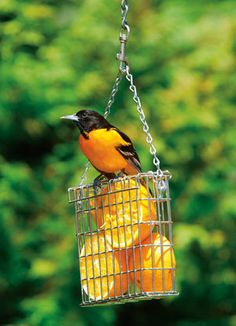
[108, 149]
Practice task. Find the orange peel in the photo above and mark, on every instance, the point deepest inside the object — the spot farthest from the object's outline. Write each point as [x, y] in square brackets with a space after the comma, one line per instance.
[153, 264]
[103, 271]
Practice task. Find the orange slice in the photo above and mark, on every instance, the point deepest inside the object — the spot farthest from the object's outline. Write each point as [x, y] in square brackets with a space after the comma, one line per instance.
[125, 211]
[153, 263]
[103, 270]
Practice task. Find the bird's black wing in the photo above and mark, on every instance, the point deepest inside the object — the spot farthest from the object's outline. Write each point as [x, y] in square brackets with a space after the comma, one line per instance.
[129, 152]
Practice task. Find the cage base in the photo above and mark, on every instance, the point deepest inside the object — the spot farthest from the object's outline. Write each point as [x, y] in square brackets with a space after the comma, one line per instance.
[130, 299]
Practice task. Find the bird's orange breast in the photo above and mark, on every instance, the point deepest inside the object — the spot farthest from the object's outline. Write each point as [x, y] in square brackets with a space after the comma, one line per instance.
[100, 149]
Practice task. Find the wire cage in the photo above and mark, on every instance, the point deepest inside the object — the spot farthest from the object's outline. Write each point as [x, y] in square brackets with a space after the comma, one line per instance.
[124, 232]
[124, 227]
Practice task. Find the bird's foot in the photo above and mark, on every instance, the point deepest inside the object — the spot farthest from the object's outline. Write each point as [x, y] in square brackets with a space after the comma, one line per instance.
[119, 175]
[97, 183]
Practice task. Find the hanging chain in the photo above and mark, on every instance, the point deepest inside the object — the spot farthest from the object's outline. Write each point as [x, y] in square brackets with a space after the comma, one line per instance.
[113, 94]
[149, 138]
[124, 13]
[124, 69]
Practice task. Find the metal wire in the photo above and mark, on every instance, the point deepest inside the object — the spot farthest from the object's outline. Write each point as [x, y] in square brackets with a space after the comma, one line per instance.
[125, 239]
[112, 95]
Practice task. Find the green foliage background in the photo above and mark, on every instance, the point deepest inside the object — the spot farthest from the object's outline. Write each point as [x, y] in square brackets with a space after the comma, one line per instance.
[57, 56]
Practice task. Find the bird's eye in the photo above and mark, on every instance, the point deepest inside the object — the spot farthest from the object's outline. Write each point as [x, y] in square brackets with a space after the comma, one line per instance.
[84, 115]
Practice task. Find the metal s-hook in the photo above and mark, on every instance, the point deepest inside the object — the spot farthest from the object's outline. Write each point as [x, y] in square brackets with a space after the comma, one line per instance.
[124, 35]
[121, 56]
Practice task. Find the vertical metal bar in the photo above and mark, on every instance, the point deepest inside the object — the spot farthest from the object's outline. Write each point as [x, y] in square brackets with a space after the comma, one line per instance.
[140, 247]
[118, 232]
[170, 233]
[98, 239]
[164, 251]
[77, 203]
[111, 233]
[151, 237]
[155, 195]
[163, 204]
[125, 239]
[83, 232]
[161, 246]
[92, 250]
[131, 227]
[106, 251]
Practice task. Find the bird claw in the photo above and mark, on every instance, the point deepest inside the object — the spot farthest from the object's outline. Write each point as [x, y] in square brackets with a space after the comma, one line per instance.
[97, 184]
[119, 175]
[97, 180]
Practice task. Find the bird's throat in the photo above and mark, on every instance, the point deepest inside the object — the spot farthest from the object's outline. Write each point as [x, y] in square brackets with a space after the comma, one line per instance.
[85, 134]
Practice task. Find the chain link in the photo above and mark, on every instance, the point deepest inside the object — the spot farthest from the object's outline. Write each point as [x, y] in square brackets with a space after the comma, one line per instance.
[142, 117]
[125, 29]
[113, 94]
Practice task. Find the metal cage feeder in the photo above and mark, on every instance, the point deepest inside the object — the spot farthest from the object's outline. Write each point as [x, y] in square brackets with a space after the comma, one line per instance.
[125, 245]
[124, 229]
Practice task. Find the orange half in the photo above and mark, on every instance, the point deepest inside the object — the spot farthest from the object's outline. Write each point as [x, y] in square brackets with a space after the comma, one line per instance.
[103, 270]
[153, 264]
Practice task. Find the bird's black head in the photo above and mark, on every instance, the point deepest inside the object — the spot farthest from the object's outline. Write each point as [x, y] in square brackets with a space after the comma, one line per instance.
[88, 120]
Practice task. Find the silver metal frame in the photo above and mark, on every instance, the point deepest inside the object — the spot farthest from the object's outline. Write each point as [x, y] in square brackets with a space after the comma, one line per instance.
[119, 198]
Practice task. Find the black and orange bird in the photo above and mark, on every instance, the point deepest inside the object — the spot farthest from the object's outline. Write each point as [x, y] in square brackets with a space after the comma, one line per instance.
[107, 148]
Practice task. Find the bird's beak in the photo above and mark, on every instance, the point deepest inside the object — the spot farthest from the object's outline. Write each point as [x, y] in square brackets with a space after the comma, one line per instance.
[72, 117]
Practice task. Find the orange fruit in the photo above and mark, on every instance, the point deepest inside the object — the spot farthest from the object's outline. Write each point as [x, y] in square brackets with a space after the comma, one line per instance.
[125, 213]
[152, 264]
[102, 269]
